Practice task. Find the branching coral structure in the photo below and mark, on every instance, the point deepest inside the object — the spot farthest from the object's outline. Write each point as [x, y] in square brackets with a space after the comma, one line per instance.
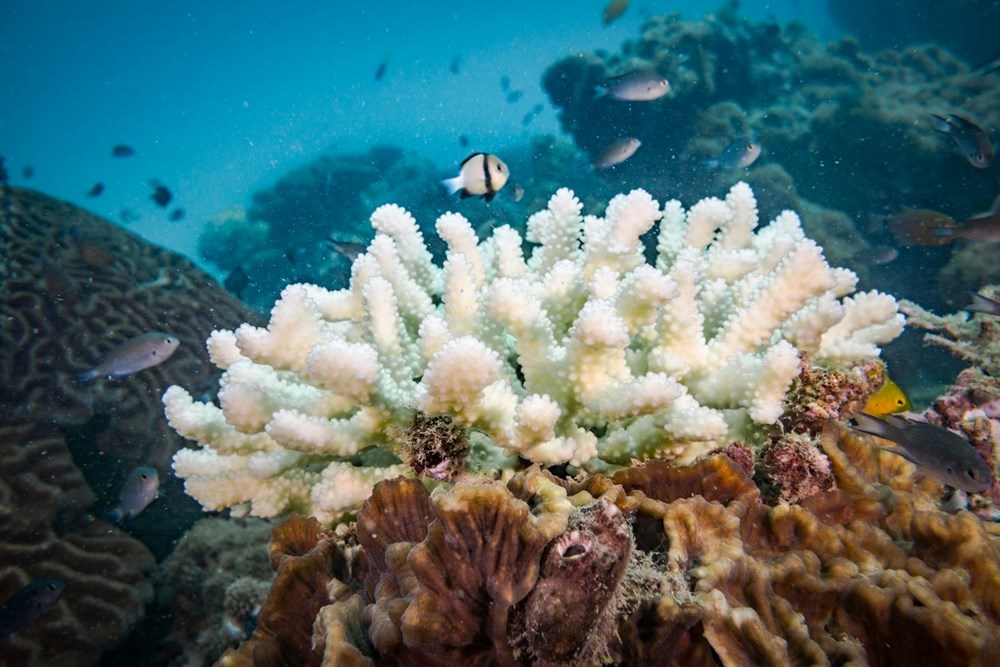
[580, 352]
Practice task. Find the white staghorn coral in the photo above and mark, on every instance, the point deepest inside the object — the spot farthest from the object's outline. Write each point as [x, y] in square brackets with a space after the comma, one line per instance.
[580, 353]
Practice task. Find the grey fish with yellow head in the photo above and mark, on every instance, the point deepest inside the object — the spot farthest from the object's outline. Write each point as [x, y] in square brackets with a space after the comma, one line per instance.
[480, 175]
[942, 453]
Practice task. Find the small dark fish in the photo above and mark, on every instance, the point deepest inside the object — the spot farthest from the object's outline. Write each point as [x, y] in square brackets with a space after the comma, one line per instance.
[29, 604]
[884, 254]
[382, 67]
[982, 230]
[128, 216]
[463, 141]
[177, 215]
[919, 226]
[989, 66]
[122, 150]
[237, 281]
[613, 11]
[537, 109]
[135, 354]
[96, 190]
[739, 154]
[514, 96]
[27, 172]
[526, 120]
[983, 304]
[161, 194]
[349, 249]
[141, 487]
[505, 83]
[972, 141]
[480, 175]
[944, 454]
[638, 86]
[456, 65]
[616, 153]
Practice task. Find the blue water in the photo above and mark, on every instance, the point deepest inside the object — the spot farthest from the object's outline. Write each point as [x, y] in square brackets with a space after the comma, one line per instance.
[222, 98]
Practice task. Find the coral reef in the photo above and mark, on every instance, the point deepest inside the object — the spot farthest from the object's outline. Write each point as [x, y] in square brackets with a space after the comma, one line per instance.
[211, 586]
[852, 127]
[46, 532]
[687, 565]
[73, 286]
[581, 353]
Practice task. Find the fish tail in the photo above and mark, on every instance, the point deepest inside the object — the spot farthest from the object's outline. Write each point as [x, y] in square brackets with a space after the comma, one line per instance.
[871, 425]
[87, 376]
[981, 304]
[453, 184]
[600, 91]
[116, 515]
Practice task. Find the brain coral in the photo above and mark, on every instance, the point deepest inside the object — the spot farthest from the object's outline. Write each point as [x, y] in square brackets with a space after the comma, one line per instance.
[73, 286]
[580, 353]
[46, 532]
[697, 571]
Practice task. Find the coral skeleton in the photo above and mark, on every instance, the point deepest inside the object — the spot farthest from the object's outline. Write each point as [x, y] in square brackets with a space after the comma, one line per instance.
[580, 352]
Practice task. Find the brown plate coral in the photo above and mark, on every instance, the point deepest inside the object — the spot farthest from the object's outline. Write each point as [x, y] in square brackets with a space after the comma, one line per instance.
[656, 565]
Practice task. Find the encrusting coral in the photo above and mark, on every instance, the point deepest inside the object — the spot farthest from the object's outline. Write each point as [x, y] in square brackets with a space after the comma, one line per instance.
[656, 565]
[581, 353]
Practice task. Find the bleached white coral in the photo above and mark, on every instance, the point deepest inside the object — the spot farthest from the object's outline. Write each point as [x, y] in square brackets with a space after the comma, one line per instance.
[579, 353]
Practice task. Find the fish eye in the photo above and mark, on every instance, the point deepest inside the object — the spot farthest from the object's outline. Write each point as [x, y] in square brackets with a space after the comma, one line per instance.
[51, 587]
[949, 470]
[144, 475]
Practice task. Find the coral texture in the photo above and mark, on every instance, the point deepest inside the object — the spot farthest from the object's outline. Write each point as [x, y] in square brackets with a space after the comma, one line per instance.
[72, 287]
[46, 532]
[580, 353]
[694, 570]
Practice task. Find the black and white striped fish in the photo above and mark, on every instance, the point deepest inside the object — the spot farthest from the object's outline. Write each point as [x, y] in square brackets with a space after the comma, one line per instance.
[480, 175]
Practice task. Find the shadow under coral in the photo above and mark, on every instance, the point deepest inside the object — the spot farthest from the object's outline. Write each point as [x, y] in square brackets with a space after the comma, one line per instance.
[656, 565]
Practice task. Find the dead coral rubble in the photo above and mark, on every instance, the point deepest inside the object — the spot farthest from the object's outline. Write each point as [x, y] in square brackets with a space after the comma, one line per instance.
[687, 565]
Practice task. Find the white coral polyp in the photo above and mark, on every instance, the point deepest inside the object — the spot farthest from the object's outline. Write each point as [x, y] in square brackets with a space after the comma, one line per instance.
[579, 352]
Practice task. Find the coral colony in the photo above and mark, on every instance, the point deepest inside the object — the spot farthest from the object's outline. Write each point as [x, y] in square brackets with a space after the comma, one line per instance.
[580, 353]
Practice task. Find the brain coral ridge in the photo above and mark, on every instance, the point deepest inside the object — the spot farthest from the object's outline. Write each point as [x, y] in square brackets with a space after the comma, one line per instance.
[580, 352]
[655, 565]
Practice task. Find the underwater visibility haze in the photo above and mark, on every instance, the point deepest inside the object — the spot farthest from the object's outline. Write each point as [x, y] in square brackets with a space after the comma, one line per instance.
[609, 332]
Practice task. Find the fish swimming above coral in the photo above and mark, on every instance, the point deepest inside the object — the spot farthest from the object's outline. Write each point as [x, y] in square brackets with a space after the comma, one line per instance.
[616, 152]
[638, 86]
[739, 154]
[122, 150]
[971, 140]
[161, 194]
[29, 604]
[942, 453]
[983, 304]
[479, 175]
[135, 354]
[920, 226]
[141, 487]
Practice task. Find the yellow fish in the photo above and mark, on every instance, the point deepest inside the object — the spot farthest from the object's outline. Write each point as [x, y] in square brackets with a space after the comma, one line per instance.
[889, 399]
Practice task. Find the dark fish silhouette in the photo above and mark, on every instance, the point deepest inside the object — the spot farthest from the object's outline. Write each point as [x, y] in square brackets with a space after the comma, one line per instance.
[944, 454]
[27, 171]
[4, 176]
[456, 65]
[919, 226]
[613, 11]
[382, 67]
[96, 190]
[505, 83]
[514, 96]
[972, 141]
[122, 150]
[463, 141]
[161, 194]
[29, 604]
[177, 215]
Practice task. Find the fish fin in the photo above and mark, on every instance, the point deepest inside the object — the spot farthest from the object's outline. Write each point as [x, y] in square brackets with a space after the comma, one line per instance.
[489, 196]
[982, 304]
[600, 91]
[453, 185]
[462, 163]
[465, 194]
[943, 125]
[87, 376]
[871, 425]
[899, 451]
[116, 515]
